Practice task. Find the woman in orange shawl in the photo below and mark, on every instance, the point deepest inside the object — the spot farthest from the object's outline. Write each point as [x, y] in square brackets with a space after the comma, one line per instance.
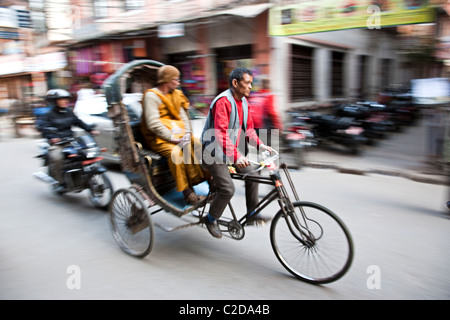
[167, 130]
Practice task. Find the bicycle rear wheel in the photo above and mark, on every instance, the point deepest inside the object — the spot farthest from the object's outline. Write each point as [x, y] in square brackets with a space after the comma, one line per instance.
[131, 224]
[318, 249]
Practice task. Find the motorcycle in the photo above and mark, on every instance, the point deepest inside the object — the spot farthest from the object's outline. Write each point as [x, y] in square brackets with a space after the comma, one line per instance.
[343, 131]
[82, 169]
[298, 137]
[398, 102]
[375, 125]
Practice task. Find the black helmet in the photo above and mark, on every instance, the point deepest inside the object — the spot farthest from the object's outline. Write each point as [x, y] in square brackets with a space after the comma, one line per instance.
[54, 94]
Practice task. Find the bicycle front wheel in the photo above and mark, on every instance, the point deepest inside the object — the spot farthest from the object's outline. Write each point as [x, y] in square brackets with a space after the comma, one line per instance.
[312, 243]
[131, 224]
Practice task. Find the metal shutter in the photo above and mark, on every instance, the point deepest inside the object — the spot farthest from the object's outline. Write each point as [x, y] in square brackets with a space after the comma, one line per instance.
[301, 73]
[337, 74]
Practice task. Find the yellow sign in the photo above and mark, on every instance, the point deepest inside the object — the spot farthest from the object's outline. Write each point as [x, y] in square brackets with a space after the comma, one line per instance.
[289, 17]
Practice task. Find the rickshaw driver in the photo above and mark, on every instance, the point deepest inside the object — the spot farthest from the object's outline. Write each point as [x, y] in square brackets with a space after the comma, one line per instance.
[228, 117]
[166, 129]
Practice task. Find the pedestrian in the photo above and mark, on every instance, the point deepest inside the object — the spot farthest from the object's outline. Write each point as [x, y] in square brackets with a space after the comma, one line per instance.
[166, 129]
[56, 125]
[265, 114]
[227, 119]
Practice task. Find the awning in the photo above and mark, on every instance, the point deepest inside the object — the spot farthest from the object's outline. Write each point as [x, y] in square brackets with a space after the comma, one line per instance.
[246, 11]
[249, 11]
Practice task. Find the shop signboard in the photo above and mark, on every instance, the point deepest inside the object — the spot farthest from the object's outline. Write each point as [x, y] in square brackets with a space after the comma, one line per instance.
[171, 30]
[287, 17]
[12, 64]
[46, 62]
[431, 91]
[19, 63]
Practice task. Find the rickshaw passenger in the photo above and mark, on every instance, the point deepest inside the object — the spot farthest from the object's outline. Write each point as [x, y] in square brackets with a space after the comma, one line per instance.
[166, 129]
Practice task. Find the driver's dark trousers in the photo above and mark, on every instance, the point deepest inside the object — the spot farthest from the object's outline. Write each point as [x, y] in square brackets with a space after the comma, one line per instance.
[225, 189]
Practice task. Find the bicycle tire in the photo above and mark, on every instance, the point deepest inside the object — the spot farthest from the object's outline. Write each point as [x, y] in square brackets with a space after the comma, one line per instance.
[100, 190]
[131, 225]
[325, 260]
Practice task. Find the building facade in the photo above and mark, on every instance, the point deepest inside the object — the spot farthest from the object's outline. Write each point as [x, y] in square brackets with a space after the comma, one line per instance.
[206, 39]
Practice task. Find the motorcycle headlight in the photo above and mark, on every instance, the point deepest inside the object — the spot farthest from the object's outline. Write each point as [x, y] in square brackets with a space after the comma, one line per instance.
[91, 153]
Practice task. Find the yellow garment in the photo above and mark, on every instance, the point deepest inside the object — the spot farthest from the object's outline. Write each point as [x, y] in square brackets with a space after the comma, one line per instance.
[169, 112]
[183, 162]
[176, 126]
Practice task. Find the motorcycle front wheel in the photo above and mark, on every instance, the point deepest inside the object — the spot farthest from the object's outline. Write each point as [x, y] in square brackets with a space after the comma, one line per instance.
[101, 191]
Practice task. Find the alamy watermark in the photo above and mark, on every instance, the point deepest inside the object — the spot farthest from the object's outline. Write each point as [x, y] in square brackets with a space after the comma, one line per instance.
[374, 20]
[74, 279]
[374, 279]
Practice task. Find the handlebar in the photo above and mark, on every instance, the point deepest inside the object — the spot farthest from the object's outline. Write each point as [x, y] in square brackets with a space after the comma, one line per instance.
[64, 141]
[267, 162]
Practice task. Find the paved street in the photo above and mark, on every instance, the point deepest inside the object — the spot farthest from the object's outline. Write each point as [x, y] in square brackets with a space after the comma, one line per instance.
[400, 228]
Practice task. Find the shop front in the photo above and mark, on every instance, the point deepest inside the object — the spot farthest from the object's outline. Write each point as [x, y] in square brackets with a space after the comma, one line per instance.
[93, 62]
[25, 80]
[207, 51]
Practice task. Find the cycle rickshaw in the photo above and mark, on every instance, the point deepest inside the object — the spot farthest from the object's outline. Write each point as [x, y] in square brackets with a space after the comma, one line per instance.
[309, 240]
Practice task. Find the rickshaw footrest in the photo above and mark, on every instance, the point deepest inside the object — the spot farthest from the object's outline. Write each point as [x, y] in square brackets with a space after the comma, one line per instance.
[170, 229]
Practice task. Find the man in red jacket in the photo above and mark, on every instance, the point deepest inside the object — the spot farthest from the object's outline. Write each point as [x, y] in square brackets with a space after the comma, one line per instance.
[227, 119]
[265, 114]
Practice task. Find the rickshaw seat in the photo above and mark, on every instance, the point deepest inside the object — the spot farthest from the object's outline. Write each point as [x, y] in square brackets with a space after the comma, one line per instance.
[160, 174]
[159, 171]
[164, 182]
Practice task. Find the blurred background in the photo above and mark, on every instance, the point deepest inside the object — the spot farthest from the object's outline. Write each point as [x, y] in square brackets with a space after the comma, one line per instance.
[367, 80]
[320, 56]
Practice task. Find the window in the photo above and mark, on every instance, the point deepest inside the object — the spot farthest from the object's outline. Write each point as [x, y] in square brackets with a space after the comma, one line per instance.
[134, 4]
[337, 74]
[229, 58]
[234, 53]
[363, 65]
[100, 8]
[386, 67]
[302, 73]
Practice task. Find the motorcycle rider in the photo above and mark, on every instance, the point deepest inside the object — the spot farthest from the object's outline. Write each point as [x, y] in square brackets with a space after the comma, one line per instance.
[62, 118]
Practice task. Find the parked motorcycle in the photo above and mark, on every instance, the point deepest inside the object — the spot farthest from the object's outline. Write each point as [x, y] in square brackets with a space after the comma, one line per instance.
[82, 169]
[397, 113]
[399, 103]
[344, 131]
[299, 137]
[375, 125]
